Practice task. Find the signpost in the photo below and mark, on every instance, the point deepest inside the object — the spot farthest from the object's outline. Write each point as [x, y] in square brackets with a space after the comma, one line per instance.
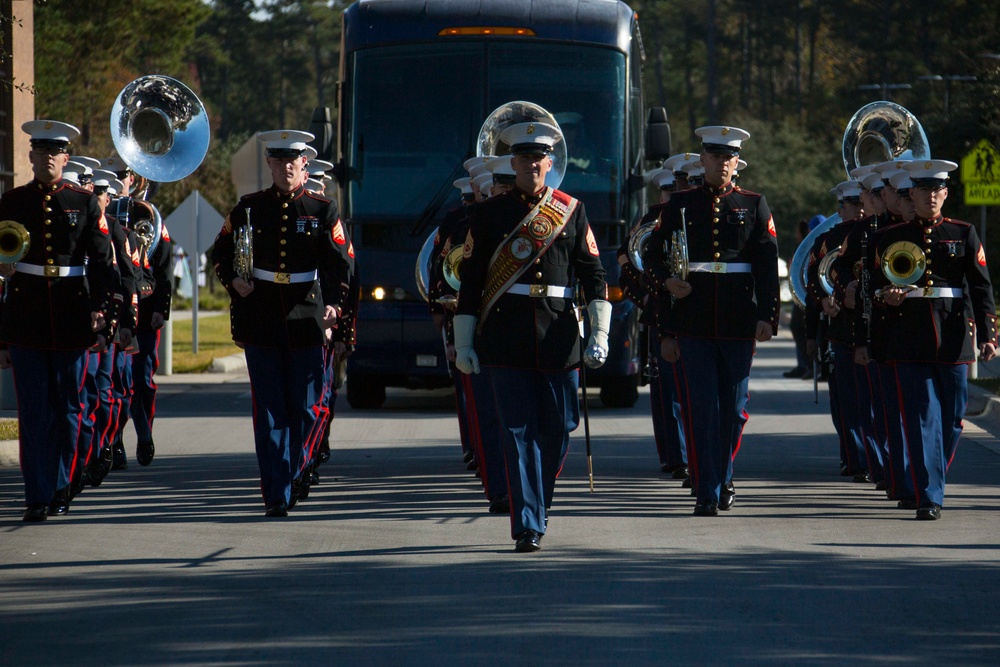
[981, 176]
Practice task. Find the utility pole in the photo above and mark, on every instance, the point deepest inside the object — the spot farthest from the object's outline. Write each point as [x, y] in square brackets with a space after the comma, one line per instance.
[885, 87]
[948, 79]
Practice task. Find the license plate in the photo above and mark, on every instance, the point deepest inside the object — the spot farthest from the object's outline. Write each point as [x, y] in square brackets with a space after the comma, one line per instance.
[427, 360]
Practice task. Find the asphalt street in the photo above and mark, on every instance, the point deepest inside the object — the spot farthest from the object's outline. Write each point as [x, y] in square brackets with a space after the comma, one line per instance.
[394, 560]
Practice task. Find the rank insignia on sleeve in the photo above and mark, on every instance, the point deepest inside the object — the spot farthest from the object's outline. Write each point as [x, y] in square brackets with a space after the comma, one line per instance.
[350, 250]
[103, 224]
[467, 248]
[592, 243]
[338, 234]
[770, 227]
[981, 257]
[165, 235]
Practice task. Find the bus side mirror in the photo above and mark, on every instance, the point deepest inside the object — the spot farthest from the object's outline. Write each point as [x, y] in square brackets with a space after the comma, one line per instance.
[658, 144]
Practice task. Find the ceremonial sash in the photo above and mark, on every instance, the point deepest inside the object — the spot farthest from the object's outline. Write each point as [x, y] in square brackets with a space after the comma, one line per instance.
[529, 241]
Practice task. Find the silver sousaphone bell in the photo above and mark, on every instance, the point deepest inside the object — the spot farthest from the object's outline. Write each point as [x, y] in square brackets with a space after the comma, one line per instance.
[160, 128]
[513, 113]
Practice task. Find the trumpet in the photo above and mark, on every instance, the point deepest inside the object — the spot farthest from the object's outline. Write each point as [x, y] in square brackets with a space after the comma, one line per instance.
[243, 256]
[679, 250]
[14, 241]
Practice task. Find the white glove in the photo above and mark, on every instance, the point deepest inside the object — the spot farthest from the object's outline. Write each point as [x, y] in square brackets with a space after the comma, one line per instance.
[466, 359]
[600, 324]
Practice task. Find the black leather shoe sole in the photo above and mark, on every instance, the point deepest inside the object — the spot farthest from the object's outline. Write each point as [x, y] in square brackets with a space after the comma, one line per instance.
[527, 542]
[706, 509]
[58, 508]
[862, 477]
[144, 453]
[907, 504]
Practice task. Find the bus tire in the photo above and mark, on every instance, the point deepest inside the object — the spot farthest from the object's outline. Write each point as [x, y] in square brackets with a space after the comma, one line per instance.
[365, 393]
[620, 391]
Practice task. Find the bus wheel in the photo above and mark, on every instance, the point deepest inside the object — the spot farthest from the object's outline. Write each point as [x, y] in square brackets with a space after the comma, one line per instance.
[365, 393]
[620, 391]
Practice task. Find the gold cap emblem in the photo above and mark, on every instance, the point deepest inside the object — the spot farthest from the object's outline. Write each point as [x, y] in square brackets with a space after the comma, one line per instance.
[48, 125]
[531, 129]
[928, 165]
[284, 135]
[725, 131]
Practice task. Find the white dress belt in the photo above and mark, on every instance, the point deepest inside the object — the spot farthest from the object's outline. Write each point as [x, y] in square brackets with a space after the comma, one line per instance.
[719, 267]
[935, 293]
[50, 271]
[285, 278]
[555, 291]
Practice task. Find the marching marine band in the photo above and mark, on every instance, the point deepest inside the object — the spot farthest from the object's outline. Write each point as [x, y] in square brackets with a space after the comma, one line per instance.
[502, 273]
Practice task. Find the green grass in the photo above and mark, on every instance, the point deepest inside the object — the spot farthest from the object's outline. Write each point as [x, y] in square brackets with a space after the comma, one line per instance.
[214, 340]
[8, 429]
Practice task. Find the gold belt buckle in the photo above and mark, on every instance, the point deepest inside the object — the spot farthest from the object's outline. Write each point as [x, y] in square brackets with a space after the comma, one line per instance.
[283, 278]
[928, 292]
[51, 271]
[537, 290]
[719, 267]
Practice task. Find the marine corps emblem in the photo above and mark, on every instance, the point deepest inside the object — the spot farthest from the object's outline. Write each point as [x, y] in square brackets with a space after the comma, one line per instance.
[540, 227]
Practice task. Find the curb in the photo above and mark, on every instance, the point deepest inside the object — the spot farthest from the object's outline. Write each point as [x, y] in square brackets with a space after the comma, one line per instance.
[234, 363]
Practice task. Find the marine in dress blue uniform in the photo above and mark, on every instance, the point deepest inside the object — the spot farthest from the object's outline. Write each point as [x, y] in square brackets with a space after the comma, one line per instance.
[58, 304]
[850, 392]
[517, 323]
[936, 322]
[668, 431]
[852, 272]
[301, 277]
[710, 323]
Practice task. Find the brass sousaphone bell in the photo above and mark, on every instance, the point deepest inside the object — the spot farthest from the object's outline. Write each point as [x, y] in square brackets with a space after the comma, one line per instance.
[878, 132]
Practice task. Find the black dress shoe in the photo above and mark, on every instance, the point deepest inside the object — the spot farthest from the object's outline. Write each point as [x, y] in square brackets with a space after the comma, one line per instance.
[467, 456]
[929, 513]
[276, 511]
[500, 505]
[880, 485]
[706, 509]
[862, 477]
[473, 464]
[528, 541]
[35, 512]
[845, 471]
[144, 452]
[727, 497]
[314, 477]
[796, 372]
[118, 459]
[324, 450]
[686, 484]
[907, 504]
[680, 472]
[60, 503]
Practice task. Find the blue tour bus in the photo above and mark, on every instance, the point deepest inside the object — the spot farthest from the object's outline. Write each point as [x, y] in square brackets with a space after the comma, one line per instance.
[417, 80]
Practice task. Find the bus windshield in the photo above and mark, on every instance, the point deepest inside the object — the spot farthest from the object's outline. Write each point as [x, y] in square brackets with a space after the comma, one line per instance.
[416, 110]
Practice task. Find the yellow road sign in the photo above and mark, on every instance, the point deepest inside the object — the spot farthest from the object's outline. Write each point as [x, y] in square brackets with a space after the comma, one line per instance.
[981, 175]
